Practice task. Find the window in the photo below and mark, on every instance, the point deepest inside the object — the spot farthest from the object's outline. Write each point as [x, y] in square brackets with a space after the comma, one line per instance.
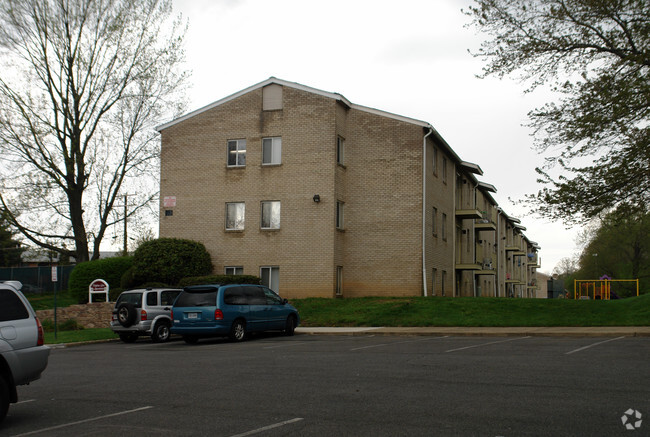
[444, 226]
[152, 299]
[435, 161]
[271, 151]
[169, 212]
[270, 277]
[238, 270]
[236, 153]
[235, 216]
[442, 281]
[270, 215]
[340, 151]
[434, 273]
[339, 280]
[11, 307]
[339, 214]
[271, 297]
[168, 297]
[434, 220]
[444, 169]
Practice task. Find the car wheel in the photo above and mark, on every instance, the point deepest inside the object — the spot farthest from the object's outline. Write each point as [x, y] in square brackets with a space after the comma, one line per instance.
[190, 339]
[126, 314]
[161, 332]
[290, 325]
[4, 398]
[238, 331]
[129, 338]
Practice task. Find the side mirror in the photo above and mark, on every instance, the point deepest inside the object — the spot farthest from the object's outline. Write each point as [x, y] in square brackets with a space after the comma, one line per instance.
[285, 301]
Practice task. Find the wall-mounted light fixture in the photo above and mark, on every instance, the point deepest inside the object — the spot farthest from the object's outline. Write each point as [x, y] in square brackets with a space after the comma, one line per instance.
[316, 198]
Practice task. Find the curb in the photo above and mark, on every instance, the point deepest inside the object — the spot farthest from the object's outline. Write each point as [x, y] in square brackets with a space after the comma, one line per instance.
[597, 331]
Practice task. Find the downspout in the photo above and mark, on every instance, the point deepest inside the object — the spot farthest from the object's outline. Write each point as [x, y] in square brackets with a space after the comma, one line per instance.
[498, 263]
[424, 210]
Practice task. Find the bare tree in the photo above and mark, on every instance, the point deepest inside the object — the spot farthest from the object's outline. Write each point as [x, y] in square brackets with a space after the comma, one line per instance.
[82, 84]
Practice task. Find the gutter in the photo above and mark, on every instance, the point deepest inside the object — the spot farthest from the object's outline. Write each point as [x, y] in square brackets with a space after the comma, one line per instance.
[424, 209]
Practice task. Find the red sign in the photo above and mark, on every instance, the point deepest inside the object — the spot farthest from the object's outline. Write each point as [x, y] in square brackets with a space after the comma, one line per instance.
[169, 201]
[98, 286]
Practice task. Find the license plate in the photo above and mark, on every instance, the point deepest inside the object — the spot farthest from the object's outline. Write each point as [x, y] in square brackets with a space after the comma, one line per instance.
[192, 315]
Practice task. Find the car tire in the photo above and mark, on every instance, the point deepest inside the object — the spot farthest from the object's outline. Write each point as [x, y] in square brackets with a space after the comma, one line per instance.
[237, 331]
[129, 338]
[190, 339]
[4, 398]
[290, 325]
[161, 332]
[126, 314]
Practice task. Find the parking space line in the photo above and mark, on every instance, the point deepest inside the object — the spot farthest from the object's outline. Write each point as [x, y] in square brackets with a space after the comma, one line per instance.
[266, 428]
[79, 422]
[592, 345]
[397, 342]
[285, 344]
[25, 401]
[486, 344]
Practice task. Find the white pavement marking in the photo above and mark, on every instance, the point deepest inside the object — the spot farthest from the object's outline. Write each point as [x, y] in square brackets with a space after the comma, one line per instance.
[592, 345]
[266, 428]
[397, 342]
[79, 422]
[485, 344]
[25, 401]
[285, 344]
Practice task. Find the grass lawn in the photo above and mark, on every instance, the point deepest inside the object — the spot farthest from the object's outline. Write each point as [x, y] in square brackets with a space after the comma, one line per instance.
[432, 311]
[79, 336]
[469, 311]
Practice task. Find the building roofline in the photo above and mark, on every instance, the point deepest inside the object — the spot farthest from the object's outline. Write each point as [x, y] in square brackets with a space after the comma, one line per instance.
[275, 80]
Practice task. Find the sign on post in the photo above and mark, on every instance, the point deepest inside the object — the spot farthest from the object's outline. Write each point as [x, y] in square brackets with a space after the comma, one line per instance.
[98, 286]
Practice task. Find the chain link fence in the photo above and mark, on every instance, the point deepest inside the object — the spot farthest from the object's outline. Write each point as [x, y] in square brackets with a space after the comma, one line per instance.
[37, 279]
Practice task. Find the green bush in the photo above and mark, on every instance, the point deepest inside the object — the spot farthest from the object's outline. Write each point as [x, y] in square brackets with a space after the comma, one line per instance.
[108, 269]
[219, 279]
[168, 260]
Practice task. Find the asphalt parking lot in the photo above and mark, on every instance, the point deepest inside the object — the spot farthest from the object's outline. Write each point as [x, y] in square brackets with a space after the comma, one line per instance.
[316, 385]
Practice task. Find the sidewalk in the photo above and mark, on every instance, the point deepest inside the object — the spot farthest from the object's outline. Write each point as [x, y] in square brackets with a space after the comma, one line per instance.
[590, 331]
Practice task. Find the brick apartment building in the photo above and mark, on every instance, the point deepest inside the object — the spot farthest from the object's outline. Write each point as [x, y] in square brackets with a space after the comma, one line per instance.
[322, 197]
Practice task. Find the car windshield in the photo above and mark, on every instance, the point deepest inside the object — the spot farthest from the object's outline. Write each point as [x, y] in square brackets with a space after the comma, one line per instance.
[133, 298]
[198, 298]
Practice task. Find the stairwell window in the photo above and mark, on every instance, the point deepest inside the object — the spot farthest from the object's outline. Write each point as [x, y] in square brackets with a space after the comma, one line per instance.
[340, 151]
[236, 153]
[339, 214]
[272, 151]
[270, 215]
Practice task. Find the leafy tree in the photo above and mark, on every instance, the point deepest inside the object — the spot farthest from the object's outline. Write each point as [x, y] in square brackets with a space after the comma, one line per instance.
[10, 249]
[620, 247]
[596, 55]
[82, 83]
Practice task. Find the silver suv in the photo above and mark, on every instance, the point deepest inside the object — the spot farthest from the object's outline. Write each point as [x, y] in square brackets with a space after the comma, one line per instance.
[23, 357]
[144, 312]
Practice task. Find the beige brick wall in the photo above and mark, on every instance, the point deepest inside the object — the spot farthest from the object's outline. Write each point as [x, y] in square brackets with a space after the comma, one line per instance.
[380, 185]
[90, 315]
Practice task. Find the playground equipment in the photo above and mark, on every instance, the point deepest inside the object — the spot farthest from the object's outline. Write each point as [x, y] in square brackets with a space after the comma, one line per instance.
[598, 288]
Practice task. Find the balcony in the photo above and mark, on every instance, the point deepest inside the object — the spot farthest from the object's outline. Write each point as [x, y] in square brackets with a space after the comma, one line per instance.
[468, 266]
[484, 224]
[469, 214]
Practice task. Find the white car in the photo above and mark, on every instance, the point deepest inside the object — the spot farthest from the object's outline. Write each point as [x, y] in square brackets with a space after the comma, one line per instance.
[23, 356]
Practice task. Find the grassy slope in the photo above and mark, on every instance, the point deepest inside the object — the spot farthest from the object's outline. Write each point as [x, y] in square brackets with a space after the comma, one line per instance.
[419, 311]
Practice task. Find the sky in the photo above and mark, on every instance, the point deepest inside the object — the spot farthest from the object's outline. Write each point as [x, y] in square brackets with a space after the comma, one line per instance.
[407, 57]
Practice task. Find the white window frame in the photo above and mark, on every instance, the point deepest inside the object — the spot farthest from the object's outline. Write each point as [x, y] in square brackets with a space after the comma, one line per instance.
[270, 276]
[239, 225]
[234, 270]
[273, 221]
[275, 144]
[239, 153]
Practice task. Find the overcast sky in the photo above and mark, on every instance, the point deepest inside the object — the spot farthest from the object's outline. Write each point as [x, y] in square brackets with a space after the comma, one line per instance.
[408, 57]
